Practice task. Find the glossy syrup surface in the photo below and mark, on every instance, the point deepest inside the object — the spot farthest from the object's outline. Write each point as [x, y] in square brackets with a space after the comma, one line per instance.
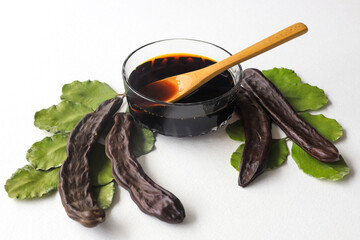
[184, 120]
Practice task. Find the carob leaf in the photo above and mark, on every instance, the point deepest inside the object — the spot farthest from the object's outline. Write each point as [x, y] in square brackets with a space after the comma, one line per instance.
[89, 93]
[27, 182]
[302, 97]
[100, 166]
[330, 171]
[278, 153]
[60, 118]
[282, 76]
[48, 153]
[235, 160]
[236, 131]
[104, 195]
[141, 140]
[327, 127]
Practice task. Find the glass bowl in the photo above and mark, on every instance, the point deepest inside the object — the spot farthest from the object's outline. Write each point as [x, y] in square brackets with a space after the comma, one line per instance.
[180, 119]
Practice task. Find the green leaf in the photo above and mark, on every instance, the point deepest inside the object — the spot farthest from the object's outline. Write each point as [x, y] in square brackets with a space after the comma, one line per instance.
[327, 127]
[60, 118]
[236, 157]
[302, 97]
[236, 131]
[280, 76]
[104, 195]
[277, 156]
[27, 182]
[141, 140]
[48, 153]
[278, 153]
[315, 168]
[100, 166]
[88, 93]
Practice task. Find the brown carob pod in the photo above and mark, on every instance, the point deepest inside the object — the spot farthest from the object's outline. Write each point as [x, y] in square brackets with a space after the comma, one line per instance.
[74, 177]
[281, 112]
[257, 127]
[150, 197]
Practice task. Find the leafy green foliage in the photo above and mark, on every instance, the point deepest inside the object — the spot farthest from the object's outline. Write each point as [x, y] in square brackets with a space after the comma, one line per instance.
[304, 97]
[104, 195]
[328, 128]
[100, 166]
[235, 159]
[60, 118]
[315, 168]
[88, 93]
[301, 96]
[27, 182]
[281, 76]
[277, 156]
[141, 140]
[236, 131]
[278, 153]
[48, 153]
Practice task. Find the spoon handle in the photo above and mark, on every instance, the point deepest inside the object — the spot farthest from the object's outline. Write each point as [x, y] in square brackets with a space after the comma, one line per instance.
[264, 45]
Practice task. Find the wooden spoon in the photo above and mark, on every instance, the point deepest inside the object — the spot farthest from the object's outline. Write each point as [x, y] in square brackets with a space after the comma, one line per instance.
[183, 84]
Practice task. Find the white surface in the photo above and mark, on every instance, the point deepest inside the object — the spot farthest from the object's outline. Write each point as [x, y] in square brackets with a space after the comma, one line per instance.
[45, 44]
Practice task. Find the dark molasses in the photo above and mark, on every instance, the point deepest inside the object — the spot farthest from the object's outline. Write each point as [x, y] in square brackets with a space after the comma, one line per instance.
[179, 120]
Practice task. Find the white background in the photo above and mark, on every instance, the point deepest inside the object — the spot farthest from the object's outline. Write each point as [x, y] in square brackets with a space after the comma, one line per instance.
[46, 44]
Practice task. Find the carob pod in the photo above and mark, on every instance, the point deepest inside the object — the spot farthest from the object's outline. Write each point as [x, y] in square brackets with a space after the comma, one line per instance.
[257, 127]
[284, 115]
[74, 177]
[150, 197]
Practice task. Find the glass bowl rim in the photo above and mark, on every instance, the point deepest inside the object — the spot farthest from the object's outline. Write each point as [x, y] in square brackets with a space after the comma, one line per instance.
[228, 93]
